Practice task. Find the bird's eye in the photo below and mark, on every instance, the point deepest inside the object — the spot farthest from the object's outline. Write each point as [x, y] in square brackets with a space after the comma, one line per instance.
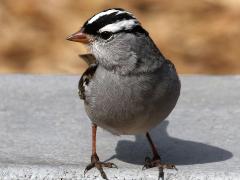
[106, 35]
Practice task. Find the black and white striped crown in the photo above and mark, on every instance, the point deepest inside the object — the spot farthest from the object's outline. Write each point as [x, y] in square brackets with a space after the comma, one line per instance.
[113, 20]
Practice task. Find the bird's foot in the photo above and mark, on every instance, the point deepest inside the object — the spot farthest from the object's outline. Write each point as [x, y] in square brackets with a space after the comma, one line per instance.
[156, 162]
[150, 163]
[99, 165]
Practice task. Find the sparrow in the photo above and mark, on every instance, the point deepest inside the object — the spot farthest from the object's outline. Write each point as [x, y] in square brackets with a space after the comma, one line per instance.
[129, 86]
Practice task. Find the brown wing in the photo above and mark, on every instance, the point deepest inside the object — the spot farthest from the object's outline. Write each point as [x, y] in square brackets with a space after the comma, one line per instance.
[85, 79]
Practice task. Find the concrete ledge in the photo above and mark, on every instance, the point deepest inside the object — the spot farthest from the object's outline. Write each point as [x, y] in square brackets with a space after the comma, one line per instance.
[45, 133]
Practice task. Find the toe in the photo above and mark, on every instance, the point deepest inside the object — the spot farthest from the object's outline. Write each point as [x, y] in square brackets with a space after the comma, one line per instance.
[98, 165]
[90, 166]
[110, 165]
[161, 174]
[147, 163]
[167, 166]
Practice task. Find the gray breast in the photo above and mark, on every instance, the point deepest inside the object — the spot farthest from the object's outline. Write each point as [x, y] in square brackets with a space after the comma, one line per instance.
[131, 104]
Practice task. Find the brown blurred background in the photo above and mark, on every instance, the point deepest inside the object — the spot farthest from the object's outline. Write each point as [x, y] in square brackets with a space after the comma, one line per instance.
[199, 36]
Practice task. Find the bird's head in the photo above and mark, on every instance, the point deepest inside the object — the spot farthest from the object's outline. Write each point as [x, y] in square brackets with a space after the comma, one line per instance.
[114, 36]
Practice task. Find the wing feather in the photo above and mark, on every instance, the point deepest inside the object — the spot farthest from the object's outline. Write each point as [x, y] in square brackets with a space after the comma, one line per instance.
[85, 79]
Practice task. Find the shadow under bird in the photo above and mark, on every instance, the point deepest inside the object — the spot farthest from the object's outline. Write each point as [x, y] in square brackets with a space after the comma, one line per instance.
[129, 86]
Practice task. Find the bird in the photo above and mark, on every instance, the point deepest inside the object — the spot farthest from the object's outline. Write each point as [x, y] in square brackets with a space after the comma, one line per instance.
[129, 86]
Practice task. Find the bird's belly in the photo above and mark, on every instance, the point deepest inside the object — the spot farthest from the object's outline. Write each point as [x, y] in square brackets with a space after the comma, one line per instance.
[125, 108]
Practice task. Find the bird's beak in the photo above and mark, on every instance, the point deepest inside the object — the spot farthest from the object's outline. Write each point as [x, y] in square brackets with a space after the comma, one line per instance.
[79, 37]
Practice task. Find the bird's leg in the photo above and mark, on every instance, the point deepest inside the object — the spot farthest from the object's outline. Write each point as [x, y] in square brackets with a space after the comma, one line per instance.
[94, 158]
[156, 160]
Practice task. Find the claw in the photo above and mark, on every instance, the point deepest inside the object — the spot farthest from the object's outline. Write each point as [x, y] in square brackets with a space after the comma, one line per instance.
[103, 174]
[166, 166]
[114, 166]
[99, 165]
[85, 171]
[90, 166]
[156, 162]
[161, 174]
[110, 165]
[147, 164]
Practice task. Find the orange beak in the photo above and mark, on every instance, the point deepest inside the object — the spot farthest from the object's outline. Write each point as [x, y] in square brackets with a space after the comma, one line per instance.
[79, 37]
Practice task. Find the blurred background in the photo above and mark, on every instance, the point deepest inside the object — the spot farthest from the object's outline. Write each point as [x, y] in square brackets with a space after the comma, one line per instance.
[199, 36]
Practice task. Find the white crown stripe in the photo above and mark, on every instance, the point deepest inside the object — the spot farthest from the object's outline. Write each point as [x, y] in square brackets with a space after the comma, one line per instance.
[97, 16]
[121, 25]
[121, 12]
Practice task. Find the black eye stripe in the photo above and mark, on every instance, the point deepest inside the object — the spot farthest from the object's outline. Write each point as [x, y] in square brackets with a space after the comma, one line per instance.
[105, 35]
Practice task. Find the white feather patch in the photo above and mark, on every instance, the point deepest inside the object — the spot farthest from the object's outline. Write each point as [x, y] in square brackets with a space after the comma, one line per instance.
[121, 12]
[121, 25]
[97, 16]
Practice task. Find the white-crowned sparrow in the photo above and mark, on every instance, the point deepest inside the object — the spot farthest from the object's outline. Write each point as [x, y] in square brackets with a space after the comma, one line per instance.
[129, 87]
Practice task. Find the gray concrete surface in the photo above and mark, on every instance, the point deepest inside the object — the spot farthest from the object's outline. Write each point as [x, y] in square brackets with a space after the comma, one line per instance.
[45, 134]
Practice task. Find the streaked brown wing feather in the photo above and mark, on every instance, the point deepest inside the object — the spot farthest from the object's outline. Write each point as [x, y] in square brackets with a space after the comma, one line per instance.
[85, 79]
